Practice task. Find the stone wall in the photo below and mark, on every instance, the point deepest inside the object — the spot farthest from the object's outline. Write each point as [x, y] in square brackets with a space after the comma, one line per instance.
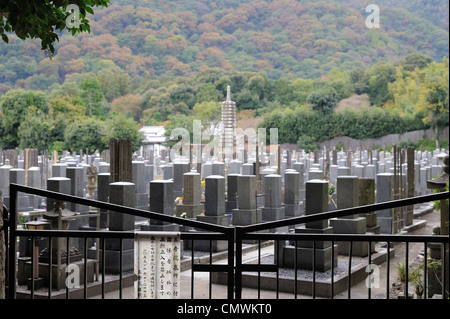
[413, 136]
[351, 143]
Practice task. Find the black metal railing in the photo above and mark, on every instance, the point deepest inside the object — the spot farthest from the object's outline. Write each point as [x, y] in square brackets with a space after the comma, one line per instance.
[208, 232]
[234, 267]
[253, 232]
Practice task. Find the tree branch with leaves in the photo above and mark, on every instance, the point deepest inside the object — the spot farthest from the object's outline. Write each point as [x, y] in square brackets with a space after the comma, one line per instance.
[40, 19]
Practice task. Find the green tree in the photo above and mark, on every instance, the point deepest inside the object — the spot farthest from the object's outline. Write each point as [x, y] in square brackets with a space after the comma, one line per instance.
[14, 106]
[323, 100]
[206, 93]
[85, 134]
[377, 79]
[28, 19]
[414, 60]
[307, 143]
[92, 96]
[182, 121]
[207, 111]
[35, 130]
[120, 126]
[434, 96]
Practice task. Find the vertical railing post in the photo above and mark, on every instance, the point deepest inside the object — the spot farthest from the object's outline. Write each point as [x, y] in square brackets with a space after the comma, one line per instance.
[231, 278]
[238, 267]
[11, 285]
[2, 251]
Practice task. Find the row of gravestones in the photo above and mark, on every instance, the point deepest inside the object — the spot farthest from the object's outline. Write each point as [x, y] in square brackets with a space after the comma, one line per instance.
[230, 195]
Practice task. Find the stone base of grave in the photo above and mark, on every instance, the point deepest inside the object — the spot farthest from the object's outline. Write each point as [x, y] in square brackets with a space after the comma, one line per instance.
[43, 279]
[348, 225]
[371, 223]
[310, 244]
[292, 210]
[305, 249]
[165, 227]
[351, 226]
[111, 284]
[206, 245]
[190, 210]
[244, 217]
[359, 249]
[286, 281]
[223, 220]
[274, 214]
[305, 257]
[112, 255]
[38, 283]
[112, 260]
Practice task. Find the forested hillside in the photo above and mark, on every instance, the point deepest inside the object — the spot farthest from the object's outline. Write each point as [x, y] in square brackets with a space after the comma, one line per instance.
[147, 60]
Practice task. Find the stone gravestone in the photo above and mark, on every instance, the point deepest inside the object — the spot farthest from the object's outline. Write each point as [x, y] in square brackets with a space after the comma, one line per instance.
[316, 202]
[149, 176]
[247, 169]
[385, 218]
[17, 176]
[273, 209]
[35, 180]
[59, 170]
[120, 167]
[410, 187]
[120, 193]
[291, 193]
[138, 173]
[161, 194]
[179, 169]
[103, 195]
[348, 197]
[232, 188]
[60, 185]
[214, 211]
[246, 212]
[76, 175]
[192, 190]
[5, 181]
[234, 167]
[367, 197]
[215, 201]
[300, 168]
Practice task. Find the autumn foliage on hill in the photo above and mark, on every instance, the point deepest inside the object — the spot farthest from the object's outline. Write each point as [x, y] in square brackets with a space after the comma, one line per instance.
[149, 61]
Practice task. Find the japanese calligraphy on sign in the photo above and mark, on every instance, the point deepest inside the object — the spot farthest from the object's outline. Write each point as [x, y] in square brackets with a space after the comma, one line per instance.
[157, 265]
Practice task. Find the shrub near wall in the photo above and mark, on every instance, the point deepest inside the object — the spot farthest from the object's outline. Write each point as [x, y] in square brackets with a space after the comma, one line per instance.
[370, 122]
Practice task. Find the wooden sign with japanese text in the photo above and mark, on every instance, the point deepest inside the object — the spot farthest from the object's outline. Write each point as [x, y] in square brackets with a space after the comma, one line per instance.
[157, 265]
